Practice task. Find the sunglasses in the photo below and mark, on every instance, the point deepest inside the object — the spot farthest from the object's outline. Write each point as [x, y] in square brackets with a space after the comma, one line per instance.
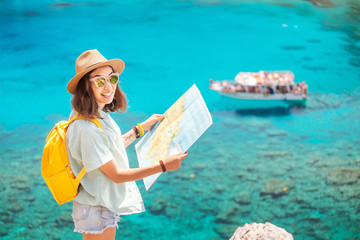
[100, 81]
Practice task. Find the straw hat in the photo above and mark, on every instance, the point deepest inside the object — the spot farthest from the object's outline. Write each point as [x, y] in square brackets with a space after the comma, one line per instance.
[88, 61]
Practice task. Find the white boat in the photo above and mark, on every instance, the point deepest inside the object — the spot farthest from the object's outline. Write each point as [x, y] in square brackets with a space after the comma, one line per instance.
[263, 85]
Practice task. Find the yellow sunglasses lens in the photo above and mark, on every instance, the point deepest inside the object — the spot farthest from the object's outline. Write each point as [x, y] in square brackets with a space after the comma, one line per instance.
[100, 82]
[114, 79]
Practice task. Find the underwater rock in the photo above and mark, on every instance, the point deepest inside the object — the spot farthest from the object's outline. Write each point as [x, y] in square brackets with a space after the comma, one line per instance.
[313, 161]
[225, 230]
[6, 218]
[314, 218]
[276, 154]
[276, 133]
[156, 208]
[21, 183]
[329, 162]
[30, 198]
[354, 62]
[32, 13]
[343, 176]
[240, 175]
[293, 47]
[251, 169]
[16, 207]
[292, 211]
[278, 212]
[355, 217]
[172, 210]
[344, 192]
[36, 222]
[219, 188]
[3, 233]
[181, 175]
[2, 186]
[301, 198]
[314, 68]
[162, 204]
[232, 213]
[52, 232]
[243, 198]
[65, 218]
[260, 231]
[42, 216]
[225, 215]
[279, 172]
[199, 166]
[276, 188]
[322, 3]
[13, 196]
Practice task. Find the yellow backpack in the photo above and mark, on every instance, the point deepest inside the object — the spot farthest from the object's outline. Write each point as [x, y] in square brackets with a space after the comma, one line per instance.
[55, 166]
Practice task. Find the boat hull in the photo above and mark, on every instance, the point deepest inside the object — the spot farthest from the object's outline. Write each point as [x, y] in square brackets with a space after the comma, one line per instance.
[289, 99]
[264, 96]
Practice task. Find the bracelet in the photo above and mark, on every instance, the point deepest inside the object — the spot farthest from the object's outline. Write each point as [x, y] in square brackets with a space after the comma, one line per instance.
[162, 166]
[141, 128]
[137, 134]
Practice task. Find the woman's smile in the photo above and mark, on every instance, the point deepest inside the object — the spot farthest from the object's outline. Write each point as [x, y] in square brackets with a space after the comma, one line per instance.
[107, 95]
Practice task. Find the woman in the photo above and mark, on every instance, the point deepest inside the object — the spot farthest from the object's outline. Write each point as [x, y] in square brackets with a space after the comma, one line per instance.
[108, 189]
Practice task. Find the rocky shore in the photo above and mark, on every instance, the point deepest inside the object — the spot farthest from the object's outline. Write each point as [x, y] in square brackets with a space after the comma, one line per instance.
[261, 231]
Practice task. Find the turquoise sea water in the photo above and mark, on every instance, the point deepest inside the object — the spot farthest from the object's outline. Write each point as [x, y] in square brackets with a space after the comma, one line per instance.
[167, 46]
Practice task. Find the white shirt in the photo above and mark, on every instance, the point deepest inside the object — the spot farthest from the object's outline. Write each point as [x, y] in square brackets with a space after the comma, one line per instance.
[89, 146]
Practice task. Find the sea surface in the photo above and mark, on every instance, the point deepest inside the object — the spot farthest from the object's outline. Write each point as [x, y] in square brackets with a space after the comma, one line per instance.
[295, 167]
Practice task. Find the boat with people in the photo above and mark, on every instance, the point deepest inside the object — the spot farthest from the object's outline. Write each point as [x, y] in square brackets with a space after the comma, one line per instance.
[263, 85]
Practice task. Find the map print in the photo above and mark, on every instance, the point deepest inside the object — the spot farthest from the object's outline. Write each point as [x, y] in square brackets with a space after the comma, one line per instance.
[185, 121]
[166, 132]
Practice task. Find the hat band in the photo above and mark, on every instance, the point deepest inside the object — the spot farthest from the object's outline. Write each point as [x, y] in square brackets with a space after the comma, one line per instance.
[93, 65]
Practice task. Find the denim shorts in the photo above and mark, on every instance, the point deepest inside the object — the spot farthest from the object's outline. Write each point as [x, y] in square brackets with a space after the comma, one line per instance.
[93, 219]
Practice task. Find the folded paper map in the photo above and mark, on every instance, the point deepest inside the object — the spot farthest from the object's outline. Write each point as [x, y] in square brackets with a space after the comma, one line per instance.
[185, 121]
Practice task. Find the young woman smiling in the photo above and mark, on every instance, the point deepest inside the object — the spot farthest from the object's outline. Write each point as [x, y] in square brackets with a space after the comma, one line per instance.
[108, 189]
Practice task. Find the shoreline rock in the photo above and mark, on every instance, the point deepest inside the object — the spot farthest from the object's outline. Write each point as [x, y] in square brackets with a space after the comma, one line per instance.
[261, 231]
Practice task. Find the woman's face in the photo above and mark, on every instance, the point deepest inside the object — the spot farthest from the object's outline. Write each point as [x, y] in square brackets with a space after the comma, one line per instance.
[103, 95]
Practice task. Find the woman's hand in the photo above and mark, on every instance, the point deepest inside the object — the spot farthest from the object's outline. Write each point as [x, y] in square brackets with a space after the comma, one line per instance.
[173, 162]
[149, 123]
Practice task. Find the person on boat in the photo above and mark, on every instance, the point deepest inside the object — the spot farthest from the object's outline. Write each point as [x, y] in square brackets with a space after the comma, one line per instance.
[297, 89]
[304, 88]
[283, 89]
[239, 88]
[108, 189]
[228, 86]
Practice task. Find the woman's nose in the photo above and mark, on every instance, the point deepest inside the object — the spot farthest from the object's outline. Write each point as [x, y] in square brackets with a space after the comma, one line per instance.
[107, 84]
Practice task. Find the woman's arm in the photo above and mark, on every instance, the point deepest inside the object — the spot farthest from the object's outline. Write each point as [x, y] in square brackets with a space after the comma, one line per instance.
[111, 170]
[130, 136]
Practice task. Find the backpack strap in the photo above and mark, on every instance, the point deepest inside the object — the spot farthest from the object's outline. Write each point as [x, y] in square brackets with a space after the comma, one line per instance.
[81, 174]
[93, 120]
[98, 124]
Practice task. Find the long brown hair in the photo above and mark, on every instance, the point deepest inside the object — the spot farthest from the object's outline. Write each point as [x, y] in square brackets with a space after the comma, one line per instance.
[84, 102]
